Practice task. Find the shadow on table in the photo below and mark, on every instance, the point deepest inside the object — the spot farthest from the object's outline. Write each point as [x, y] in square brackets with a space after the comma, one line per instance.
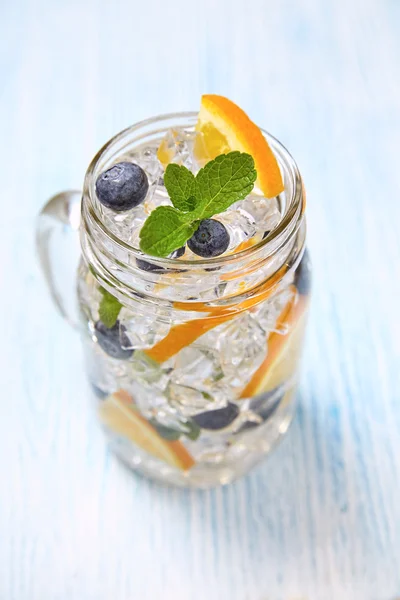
[299, 489]
[290, 513]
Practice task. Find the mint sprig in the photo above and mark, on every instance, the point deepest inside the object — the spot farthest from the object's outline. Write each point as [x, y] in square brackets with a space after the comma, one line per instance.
[222, 182]
[109, 308]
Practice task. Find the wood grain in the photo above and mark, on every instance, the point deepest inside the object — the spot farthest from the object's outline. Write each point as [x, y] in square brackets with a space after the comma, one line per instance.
[321, 518]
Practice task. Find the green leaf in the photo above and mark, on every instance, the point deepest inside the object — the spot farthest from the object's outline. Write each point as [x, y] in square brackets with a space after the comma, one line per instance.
[223, 181]
[165, 432]
[166, 230]
[190, 205]
[109, 308]
[181, 186]
[193, 430]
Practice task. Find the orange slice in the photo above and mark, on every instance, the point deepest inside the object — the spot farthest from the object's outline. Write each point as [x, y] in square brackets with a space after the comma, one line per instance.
[119, 414]
[246, 244]
[303, 189]
[184, 334]
[226, 127]
[284, 351]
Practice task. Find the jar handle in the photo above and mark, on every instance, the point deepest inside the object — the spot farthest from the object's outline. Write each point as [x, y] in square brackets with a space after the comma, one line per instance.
[58, 247]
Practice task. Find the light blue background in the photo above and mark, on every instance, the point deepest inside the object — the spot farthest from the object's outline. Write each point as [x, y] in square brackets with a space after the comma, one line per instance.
[321, 518]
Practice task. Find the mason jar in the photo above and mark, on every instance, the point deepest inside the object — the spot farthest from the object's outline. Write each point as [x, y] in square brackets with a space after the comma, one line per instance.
[203, 380]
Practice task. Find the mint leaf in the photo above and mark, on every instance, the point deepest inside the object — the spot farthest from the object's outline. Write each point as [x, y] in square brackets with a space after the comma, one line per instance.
[165, 230]
[223, 181]
[181, 186]
[193, 430]
[190, 204]
[109, 309]
[165, 432]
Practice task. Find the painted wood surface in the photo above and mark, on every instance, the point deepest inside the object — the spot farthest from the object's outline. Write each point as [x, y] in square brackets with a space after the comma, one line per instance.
[318, 520]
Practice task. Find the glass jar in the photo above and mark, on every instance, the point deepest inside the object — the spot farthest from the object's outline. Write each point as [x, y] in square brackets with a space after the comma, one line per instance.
[201, 381]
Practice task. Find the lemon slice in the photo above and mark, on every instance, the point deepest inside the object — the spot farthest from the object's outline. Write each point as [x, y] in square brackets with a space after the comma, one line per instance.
[226, 127]
[118, 413]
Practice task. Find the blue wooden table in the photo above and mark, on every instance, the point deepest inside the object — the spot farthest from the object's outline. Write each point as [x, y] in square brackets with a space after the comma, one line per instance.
[320, 519]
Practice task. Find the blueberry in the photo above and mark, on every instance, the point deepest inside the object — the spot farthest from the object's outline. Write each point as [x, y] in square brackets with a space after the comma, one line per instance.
[150, 267]
[302, 277]
[112, 340]
[211, 239]
[146, 266]
[122, 187]
[217, 419]
[264, 405]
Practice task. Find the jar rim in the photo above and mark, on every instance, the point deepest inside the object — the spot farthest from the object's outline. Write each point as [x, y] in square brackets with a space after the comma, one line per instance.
[293, 214]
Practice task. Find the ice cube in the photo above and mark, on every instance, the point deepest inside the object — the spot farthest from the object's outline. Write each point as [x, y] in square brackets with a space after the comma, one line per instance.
[265, 212]
[149, 162]
[187, 400]
[149, 399]
[242, 348]
[180, 146]
[106, 373]
[194, 365]
[145, 330]
[148, 372]
[159, 197]
[123, 224]
[266, 313]
[240, 224]
[197, 380]
[192, 401]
